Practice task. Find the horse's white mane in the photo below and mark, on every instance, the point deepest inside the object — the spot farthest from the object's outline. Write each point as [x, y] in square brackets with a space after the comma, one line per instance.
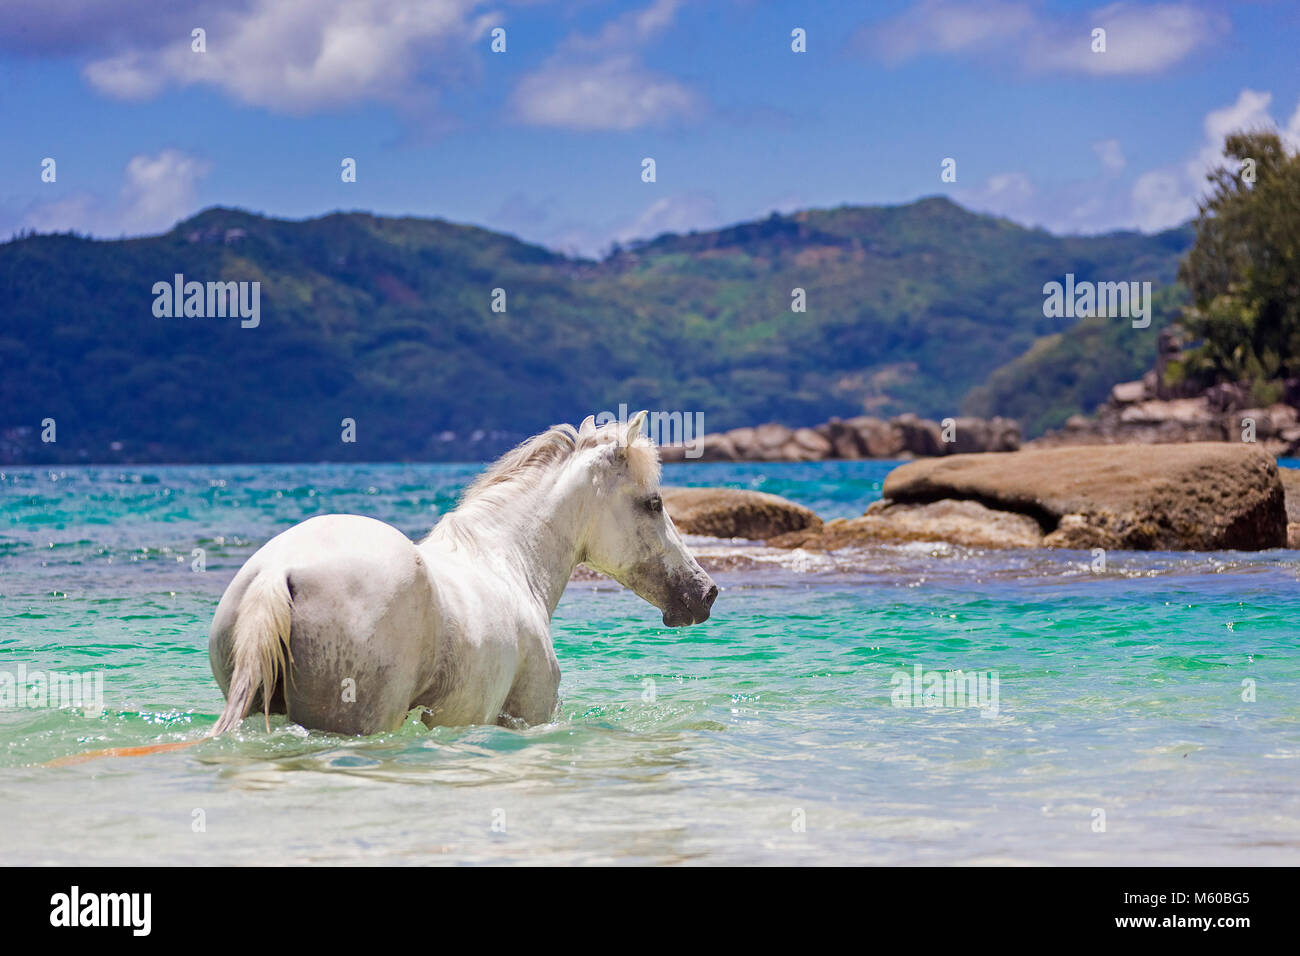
[522, 469]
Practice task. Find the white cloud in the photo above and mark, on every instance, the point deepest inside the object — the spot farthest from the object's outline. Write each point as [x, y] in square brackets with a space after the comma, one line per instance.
[1110, 153]
[1292, 130]
[632, 29]
[1138, 39]
[615, 94]
[1162, 199]
[301, 55]
[1015, 185]
[600, 82]
[1157, 199]
[1099, 204]
[1250, 111]
[1168, 196]
[679, 213]
[157, 191]
[946, 26]
[1009, 194]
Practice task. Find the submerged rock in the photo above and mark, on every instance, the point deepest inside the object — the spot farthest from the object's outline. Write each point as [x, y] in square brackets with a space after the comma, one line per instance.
[966, 523]
[736, 513]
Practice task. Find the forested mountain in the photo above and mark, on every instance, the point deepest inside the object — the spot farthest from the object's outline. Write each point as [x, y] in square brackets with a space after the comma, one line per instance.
[389, 322]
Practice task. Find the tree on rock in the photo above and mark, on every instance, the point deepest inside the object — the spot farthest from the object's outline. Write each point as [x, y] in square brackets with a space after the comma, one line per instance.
[1243, 272]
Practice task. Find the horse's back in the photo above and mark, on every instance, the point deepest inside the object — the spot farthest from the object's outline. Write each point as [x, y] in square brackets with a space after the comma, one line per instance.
[362, 607]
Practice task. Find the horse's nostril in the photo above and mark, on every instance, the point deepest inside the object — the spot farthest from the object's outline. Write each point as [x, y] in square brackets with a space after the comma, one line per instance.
[712, 595]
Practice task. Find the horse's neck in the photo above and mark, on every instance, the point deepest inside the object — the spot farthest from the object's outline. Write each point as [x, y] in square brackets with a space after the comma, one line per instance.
[537, 540]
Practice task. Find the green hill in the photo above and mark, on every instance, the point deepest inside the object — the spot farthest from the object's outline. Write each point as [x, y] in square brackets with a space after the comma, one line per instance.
[1073, 371]
[389, 322]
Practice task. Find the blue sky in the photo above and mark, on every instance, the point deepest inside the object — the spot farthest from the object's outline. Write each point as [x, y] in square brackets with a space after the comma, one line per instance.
[546, 139]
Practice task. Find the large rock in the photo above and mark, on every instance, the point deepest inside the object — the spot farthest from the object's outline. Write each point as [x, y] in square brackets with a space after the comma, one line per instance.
[844, 439]
[966, 523]
[1178, 420]
[876, 438]
[811, 443]
[1197, 496]
[859, 437]
[920, 436]
[1149, 412]
[714, 447]
[1127, 393]
[736, 513]
[971, 435]
[1291, 486]
[770, 439]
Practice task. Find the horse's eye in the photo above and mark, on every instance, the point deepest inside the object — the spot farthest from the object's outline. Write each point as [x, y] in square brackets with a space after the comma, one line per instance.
[655, 504]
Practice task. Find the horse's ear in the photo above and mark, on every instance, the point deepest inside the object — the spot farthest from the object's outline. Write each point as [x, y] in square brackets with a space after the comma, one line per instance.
[634, 427]
[587, 429]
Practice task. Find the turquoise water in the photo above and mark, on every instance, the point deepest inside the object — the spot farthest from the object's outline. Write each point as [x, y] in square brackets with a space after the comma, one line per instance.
[1118, 693]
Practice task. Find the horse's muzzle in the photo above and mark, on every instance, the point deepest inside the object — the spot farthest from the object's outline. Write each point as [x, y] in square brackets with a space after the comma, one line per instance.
[692, 611]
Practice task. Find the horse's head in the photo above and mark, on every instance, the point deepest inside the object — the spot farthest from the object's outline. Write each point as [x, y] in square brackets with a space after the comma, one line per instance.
[630, 537]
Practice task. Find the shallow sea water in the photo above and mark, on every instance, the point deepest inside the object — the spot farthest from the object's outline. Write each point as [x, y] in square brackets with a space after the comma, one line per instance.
[769, 734]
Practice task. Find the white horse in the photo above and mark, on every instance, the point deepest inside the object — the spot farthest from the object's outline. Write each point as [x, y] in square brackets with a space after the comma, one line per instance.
[367, 625]
[346, 625]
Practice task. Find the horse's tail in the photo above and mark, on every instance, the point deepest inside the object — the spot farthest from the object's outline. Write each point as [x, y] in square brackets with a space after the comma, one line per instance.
[259, 646]
[123, 752]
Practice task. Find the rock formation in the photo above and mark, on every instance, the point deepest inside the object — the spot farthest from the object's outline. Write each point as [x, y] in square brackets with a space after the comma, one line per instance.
[736, 513]
[905, 436]
[1204, 496]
